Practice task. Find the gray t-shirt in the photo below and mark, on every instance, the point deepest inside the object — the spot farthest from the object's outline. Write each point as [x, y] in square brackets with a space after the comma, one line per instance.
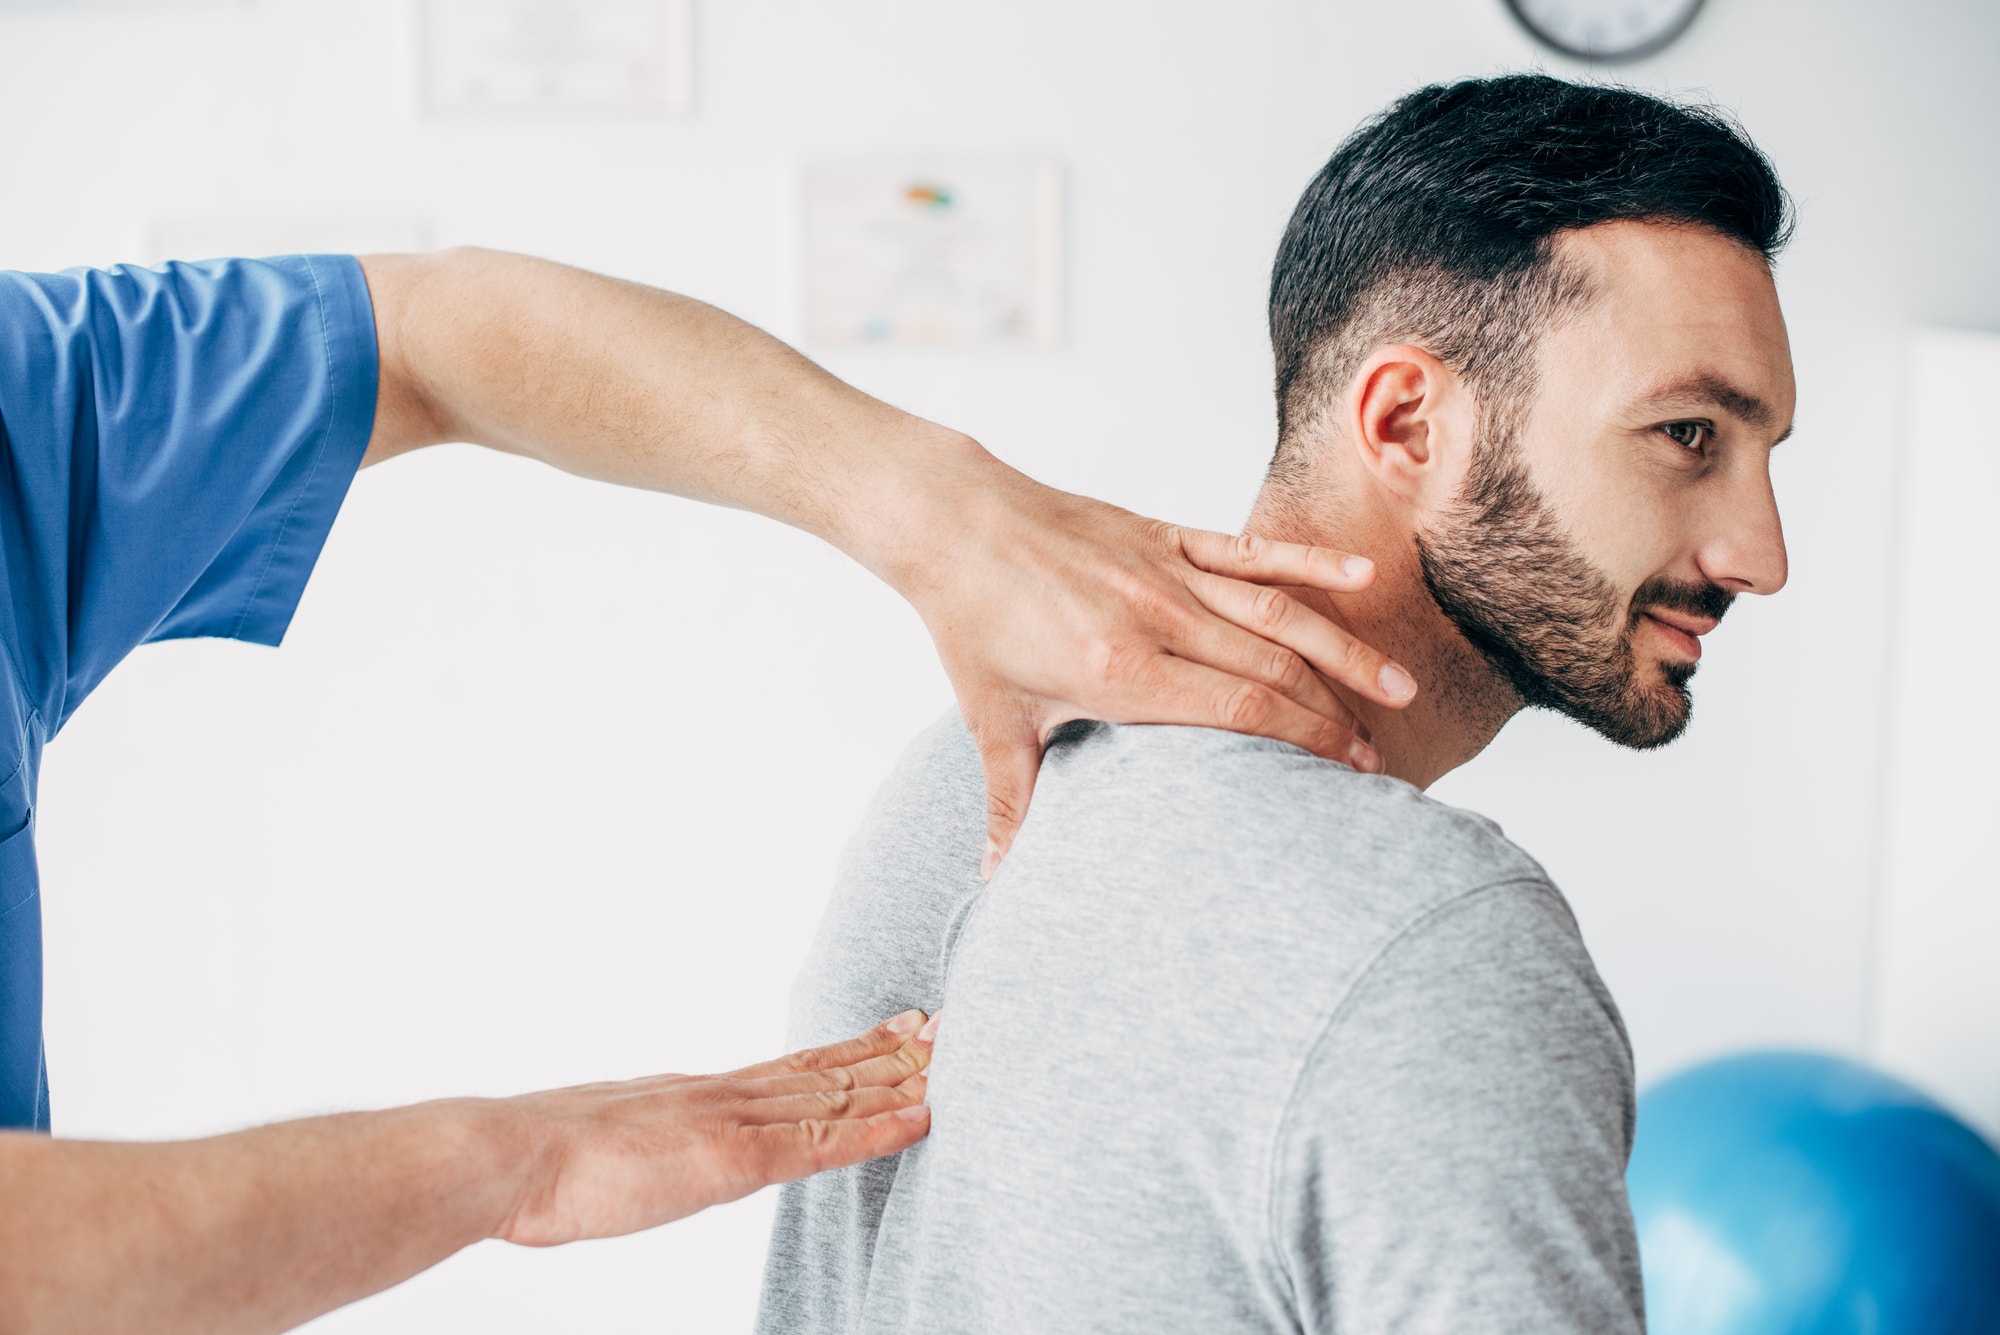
[1237, 1040]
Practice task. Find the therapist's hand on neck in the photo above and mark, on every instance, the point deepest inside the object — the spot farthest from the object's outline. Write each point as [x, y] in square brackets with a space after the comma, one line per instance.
[1045, 607]
[1048, 607]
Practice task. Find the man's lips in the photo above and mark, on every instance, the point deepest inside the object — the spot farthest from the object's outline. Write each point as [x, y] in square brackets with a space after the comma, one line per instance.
[1680, 630]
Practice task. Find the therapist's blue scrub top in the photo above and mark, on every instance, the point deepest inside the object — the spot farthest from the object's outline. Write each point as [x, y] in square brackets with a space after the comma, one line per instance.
[174, 444]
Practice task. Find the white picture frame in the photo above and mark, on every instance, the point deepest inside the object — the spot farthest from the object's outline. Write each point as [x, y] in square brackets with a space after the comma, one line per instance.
[939, 254]
[514, 56]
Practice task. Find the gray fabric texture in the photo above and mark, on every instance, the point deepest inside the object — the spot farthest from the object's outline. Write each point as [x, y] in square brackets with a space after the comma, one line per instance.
[1237, 1040]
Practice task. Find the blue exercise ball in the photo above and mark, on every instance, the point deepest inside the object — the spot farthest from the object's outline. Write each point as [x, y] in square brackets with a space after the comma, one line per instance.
[1787, 1193]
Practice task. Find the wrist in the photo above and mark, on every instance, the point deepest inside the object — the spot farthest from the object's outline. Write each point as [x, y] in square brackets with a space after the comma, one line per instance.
[496, 1158]
[929, 488]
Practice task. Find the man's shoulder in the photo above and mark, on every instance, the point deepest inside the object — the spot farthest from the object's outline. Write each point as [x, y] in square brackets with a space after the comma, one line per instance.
[1132, 827]
[1250, 809]
[908, 876]
[1245, 789]
[937, 782]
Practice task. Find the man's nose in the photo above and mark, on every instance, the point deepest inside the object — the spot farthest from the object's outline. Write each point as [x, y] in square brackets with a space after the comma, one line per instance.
[1746, 551]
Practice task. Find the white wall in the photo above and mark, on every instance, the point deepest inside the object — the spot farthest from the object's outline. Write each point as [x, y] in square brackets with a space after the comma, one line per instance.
[1937, 1001]
[548, 780]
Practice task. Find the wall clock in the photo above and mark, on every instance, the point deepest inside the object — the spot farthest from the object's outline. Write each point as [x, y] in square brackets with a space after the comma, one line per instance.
[1605, 29]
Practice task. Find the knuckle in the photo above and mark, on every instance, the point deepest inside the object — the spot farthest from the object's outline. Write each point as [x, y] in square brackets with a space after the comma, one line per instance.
[1285, 671]
[1247, 707]
[723, 1098]
[1271, 608]
[1005, 798]
[803, 1062]
[1004, 806]
[1114, 662]
[1149, 603]
[1356, 657]
[837, 1102]
[1245, 548]
[821, 1143]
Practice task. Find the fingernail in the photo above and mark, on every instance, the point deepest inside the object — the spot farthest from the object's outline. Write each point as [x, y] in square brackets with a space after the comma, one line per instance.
[1396, 683]
[916, 1112]
[928, 1034]
[991, 862]
[1356, 567]
[1366, 759]
[905, 1023]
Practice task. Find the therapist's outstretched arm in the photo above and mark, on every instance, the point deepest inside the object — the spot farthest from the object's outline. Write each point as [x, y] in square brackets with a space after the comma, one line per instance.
[1045, 606]
[262, 1230]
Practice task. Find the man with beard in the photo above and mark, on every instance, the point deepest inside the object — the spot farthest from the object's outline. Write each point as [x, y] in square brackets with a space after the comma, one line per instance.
[1336, 1058]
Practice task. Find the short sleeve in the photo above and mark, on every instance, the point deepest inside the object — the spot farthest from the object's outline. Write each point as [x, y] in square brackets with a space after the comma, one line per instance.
[174, 445]
[1454, 1156]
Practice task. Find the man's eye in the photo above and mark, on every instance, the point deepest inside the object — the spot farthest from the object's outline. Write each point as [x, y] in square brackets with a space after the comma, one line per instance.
[1688, 435]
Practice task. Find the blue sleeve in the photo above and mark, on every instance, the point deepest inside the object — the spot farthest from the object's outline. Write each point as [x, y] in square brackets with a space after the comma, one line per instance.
[174, 445]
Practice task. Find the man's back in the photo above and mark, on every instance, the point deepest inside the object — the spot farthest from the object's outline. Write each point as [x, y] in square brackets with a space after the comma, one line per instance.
[1330, 1056]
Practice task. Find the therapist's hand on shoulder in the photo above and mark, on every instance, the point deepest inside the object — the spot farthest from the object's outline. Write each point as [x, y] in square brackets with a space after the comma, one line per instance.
[604, 1160]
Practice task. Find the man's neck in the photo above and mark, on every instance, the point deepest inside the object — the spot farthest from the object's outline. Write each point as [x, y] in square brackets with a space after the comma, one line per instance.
[1461, 702]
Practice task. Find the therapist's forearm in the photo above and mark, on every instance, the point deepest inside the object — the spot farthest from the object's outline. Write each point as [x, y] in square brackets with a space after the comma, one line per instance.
[257, 1231]
[249, 1232]
[644, 388]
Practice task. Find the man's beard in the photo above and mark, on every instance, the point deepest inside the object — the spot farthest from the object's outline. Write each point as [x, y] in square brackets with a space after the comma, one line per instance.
[1500, 567]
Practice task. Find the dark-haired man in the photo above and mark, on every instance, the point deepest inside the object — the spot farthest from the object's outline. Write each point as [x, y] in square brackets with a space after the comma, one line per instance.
[1340, 1059]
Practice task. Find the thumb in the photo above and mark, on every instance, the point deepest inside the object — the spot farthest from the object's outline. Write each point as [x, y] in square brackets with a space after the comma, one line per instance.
[1012, 759]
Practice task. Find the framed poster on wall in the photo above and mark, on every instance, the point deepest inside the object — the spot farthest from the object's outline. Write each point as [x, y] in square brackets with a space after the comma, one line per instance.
[558, 55]
[940, 254]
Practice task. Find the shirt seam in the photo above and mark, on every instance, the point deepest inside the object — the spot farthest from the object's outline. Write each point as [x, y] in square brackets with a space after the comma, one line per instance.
[318, 456]
[29, 720]
[14, 662]
[20, 675]
[25, 900]
[1325, 1034]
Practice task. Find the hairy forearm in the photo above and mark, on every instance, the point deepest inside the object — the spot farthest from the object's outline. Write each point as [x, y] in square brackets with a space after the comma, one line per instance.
[261, 1230]
[250, 1232]
[644, 388]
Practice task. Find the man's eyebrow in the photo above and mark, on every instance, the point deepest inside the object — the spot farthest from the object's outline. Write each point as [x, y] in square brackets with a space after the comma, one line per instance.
[1707, 387]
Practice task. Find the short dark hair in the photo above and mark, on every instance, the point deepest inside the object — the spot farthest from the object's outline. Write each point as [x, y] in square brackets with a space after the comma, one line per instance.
[1435, 223]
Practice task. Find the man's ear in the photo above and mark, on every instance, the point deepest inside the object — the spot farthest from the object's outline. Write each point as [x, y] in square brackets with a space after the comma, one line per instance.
[1413, 424]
